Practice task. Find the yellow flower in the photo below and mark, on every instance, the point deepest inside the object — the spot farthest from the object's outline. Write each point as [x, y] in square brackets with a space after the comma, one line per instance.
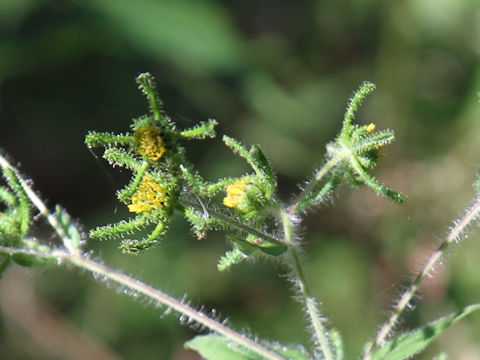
[370, 128]
[150, 142]
[149, 196]
[236, 193]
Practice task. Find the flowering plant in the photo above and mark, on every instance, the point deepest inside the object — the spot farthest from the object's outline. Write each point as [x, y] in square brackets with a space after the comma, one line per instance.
[247, 209]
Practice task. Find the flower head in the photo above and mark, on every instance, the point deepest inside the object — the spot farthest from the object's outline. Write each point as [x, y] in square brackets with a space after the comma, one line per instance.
[370, 127]
[149, 196]
[150, 142]
[236, 193]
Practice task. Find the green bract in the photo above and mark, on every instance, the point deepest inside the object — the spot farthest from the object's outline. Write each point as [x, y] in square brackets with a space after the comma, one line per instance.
[354, 152]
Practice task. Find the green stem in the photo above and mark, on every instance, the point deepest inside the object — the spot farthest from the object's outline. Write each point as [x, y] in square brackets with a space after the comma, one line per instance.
[321, 337]
[319, 175]
[139, 287]
[35, 199]
[327, 188]
[434, 259]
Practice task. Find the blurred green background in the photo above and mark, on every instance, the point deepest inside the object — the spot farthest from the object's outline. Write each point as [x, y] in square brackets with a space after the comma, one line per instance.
[277, 73]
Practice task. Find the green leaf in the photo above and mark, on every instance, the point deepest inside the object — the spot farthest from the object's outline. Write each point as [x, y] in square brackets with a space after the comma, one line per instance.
[125, 195]
[29, 260]
[263, 167]
[231, 258]
[255, 158]
[293, 354]
[135, 246]
[10, 228]
[65, 221]
[96, 139]
[238, 148]
[146, 84]
[204, 130]
[7, 197]
[111, 231]
[4, 264]
[373, 183]
[243, 245]
[267, 247]
[353, 105]
[25, 211]
[216, 347]
[271, 248]
[407, 345]
[120, 157]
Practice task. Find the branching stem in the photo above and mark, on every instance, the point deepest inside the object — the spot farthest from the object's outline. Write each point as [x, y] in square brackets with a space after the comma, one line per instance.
[434, 259]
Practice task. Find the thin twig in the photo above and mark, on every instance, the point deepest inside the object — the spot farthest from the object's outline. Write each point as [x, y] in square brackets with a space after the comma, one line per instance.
[434, 259]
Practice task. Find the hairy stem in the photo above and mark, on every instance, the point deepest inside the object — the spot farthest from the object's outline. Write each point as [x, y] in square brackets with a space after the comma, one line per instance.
[39, 204]
[327, 188]
[173, 303]
[434, 259]
[103, 272]
[321, 337]
[319, 175]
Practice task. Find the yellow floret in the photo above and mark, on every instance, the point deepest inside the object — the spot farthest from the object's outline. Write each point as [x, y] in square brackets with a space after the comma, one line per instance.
[149, 196]
[235, 193]
[370, 127]
[150, 142]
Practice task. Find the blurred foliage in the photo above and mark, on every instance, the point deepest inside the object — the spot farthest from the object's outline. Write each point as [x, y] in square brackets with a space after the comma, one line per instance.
[272, 72]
